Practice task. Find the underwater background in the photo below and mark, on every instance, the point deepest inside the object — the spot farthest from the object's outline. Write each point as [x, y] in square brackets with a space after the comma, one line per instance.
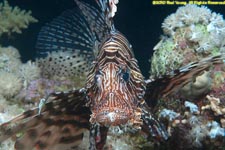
[139, 21]
[196, 115]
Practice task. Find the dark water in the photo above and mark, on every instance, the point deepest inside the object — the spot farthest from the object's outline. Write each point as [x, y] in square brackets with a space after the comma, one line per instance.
[139, 20]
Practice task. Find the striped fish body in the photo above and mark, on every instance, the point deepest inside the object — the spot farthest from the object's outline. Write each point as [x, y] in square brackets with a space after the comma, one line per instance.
[115, 85]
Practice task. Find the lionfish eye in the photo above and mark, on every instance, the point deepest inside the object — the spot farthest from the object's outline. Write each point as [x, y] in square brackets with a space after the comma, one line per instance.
[97, 77]
[125, 74]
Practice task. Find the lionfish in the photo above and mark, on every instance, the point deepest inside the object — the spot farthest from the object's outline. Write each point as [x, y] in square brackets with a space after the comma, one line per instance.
[115, 94]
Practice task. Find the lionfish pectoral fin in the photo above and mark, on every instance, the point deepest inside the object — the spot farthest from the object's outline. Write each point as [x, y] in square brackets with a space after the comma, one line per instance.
[171, 83]
[56, 133]
[154, 127]
[18, 124]
[59, 126]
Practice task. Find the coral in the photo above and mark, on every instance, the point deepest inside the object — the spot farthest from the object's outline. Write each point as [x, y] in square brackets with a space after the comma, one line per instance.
[9, 59]
[13, 19]
[169, 114]
[218, 79]
[11, 52]
[197, 119]
[195, 125]
[24, 82]
[197, 134]
[218, 86]
[194, 33]
[192, 127]
[7, 112]
[168, 58]
[13, 73]
[118, 143]
[29, 72]
[42, 87]
[222, 120]
[7, 145]
[22, 87]
[214, 106]
[215, 130]
[10, 84]
[128, 141]
[185, 16]
[192, 107]
[178, 133]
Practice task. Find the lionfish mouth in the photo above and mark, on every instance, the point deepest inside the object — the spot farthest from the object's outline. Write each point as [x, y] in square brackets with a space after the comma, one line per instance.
[112, 110]
[111, 118]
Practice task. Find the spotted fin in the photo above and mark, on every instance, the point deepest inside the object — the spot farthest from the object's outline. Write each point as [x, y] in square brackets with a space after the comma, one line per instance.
[171, 83]
[60, 125]
[69, 43]
[65, 46]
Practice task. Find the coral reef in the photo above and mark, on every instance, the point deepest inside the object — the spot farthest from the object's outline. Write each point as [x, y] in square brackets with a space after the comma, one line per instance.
[168, 114]
[13, 19]
[214, 106]
[15, 75]
[122, 141]
[10, 84]
[190, 34]
[9, 59]
[127, 142]
[24, 81]
[22, 86]
[42, 87]
[28, 72]
[192, 107]
[196, 113]
[193, 127]
[8, 110]
[215, 130]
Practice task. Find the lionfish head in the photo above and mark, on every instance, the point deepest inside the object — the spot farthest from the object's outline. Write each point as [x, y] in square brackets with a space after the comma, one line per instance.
[115, 84]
